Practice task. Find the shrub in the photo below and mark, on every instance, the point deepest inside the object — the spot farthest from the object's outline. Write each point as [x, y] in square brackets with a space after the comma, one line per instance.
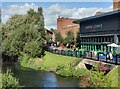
[23, 59]
[27, 61]
[71, 71]
[9, 82]
[95, 78]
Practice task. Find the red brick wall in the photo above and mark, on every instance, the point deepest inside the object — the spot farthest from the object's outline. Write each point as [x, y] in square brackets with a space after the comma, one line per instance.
[65, 24]
[116, 4]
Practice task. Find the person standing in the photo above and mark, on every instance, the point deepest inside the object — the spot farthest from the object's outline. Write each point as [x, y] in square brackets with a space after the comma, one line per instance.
[111, 56]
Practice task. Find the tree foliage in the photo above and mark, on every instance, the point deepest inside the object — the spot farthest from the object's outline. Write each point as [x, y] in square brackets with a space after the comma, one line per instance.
[24, 33]
[78, 39]
[58, 37]
[70, 39]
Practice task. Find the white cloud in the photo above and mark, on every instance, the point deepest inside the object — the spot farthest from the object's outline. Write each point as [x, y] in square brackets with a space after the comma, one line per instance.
[18, 9]
[110, 8]
[5, 18]
[51, 13]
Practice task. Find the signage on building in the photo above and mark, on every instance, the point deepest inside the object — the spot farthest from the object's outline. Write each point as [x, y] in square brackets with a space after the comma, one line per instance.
[94, 26]
[102, 25]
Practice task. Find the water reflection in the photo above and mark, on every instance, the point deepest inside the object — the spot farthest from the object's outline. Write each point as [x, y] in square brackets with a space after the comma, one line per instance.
[32, 78]
[49, 80]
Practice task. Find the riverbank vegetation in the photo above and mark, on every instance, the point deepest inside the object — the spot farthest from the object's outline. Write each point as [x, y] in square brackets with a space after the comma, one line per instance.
[62, 65]
[65, 66]
[95, 78]
[7, 81]
[22, 34]
[114, 75]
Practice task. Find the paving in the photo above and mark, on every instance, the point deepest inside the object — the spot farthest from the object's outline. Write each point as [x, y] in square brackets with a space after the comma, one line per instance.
[91, 62]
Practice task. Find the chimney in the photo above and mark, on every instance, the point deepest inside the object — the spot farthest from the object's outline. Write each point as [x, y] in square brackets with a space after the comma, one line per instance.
[59, 16]
[116, 4]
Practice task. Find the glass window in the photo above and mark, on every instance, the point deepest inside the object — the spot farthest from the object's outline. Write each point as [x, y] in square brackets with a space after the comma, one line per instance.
[106, 39]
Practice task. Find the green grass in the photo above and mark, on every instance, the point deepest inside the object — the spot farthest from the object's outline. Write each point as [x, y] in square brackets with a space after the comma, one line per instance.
[119, 76]
[0, 80]
[33, 63]
[62, 65]
[52, 61]
[113, 76]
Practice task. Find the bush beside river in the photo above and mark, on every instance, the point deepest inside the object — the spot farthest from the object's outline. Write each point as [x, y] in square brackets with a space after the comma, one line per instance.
[62, 65]
[7, 81]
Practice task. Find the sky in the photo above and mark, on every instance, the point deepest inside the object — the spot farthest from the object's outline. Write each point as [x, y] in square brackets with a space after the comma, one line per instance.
[51, 10]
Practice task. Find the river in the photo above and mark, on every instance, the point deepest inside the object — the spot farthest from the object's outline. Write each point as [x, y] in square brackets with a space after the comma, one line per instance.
[33, 78]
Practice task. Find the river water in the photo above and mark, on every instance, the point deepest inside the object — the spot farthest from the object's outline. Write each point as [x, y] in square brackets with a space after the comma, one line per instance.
[33, 78]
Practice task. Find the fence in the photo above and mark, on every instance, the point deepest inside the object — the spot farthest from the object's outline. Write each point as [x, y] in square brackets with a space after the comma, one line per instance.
[100, 56]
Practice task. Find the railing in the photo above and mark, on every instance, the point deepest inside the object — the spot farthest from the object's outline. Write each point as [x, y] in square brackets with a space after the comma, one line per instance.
[100, 56]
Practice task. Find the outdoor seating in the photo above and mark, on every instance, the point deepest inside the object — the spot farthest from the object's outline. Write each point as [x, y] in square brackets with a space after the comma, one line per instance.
[66, 52]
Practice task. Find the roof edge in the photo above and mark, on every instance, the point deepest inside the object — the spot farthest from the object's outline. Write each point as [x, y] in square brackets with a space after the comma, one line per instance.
[96, 16]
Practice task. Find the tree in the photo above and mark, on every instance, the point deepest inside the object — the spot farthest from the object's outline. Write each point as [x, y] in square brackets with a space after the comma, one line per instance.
[53, 30]
[58, 37]
[70, 39]
[24, 33]
[78, 39]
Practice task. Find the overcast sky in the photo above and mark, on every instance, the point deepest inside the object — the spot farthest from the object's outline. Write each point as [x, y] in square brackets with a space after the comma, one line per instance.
[52, 10]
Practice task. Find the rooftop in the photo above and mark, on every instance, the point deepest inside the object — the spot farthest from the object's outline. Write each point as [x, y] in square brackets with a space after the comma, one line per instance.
[97, 16]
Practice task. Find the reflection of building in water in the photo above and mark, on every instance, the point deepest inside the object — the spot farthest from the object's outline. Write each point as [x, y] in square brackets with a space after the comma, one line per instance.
[98, 31]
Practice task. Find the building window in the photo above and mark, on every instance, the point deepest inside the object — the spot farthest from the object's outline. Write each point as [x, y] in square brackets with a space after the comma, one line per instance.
[88, 39]
[95, 39]
[111, 39]
[99, 39]
[106, 39]
[83, 40]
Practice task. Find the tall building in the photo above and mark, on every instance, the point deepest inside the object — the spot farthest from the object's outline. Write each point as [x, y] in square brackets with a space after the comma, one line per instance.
[66, 24]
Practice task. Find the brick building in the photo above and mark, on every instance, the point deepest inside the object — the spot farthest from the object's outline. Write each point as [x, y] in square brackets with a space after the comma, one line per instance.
[66, 24]
[116, 4]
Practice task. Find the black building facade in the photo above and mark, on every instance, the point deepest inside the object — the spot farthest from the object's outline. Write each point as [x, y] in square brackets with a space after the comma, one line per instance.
[98, 31]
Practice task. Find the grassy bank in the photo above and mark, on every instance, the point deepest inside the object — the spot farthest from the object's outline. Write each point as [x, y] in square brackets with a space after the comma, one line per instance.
[114, 76]
[63, 65]
[0, 80]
